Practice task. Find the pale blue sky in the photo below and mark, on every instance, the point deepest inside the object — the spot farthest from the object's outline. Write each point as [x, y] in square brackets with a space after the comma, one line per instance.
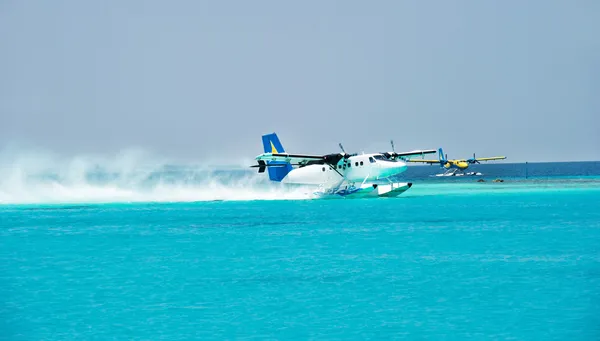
[201, 80]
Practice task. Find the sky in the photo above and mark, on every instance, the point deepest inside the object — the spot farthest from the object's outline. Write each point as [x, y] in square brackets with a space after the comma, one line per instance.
[203, 80]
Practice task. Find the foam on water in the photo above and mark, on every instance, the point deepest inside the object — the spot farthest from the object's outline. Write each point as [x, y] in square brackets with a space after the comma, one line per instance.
[132, 176]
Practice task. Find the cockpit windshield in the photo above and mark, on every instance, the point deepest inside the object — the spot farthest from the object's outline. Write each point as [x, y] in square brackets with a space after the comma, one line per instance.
[380, 157]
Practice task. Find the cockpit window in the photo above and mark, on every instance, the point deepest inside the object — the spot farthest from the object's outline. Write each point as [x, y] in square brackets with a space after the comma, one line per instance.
[381, 158]
[371, 159]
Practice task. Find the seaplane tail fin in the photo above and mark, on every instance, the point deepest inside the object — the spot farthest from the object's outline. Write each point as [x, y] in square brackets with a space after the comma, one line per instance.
[442, 158]
[271, 144]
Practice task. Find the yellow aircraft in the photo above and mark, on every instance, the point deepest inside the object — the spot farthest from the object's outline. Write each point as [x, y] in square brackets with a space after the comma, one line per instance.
[456, 167]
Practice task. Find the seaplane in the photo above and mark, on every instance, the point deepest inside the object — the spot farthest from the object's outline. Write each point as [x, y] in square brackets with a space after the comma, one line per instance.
[456, 167]
[337, 174]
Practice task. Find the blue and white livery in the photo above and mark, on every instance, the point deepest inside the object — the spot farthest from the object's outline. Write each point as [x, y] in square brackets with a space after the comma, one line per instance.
[338, 174]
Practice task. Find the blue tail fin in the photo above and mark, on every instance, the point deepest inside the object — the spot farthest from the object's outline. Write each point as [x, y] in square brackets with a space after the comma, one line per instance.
[271, 144]
[442, 157]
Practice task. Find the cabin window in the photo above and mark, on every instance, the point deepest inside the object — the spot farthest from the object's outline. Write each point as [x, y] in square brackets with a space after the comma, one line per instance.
[356, 163]
[361, 163]
[323, 169]
[339, 166]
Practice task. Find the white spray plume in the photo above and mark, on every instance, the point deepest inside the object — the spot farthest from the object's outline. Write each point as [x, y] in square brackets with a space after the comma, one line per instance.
[36, 177]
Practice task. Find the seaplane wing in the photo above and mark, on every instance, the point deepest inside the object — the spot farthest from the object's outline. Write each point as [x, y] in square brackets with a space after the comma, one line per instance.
[301, 159]
[416, 153]
[491, 158]
[424, 161]
[287, 157]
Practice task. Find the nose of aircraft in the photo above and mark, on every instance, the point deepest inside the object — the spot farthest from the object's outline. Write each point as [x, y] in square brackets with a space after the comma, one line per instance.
[392, 168]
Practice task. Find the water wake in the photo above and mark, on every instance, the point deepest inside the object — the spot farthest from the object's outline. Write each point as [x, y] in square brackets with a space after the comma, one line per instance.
[132, 176]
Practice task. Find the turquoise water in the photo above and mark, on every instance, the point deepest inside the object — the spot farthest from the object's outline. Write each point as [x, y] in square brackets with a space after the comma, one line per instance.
[518, 260]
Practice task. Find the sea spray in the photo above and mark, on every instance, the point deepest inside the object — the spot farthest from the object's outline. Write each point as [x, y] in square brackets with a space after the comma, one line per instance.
[128, 176]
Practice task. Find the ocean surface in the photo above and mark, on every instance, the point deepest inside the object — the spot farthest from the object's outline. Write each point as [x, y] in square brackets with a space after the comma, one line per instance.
[173, 253]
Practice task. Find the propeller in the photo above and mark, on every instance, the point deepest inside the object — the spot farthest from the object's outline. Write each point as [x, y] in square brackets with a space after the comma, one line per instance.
[391, 155]
[262, 165]
[346, 155]
[473, 160]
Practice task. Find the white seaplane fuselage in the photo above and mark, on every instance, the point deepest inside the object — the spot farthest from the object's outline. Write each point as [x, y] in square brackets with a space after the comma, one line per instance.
[352, 176]
[355, 169]
[341, 174]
